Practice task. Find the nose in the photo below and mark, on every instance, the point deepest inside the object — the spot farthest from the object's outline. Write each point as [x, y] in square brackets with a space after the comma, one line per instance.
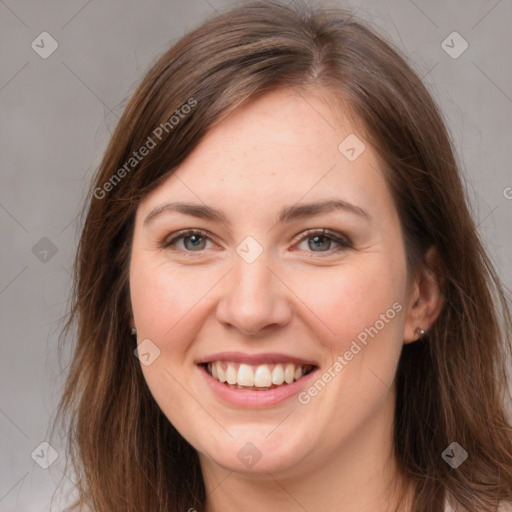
[254, 298]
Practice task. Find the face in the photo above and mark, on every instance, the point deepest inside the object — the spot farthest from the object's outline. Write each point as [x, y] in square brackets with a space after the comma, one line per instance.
[268, 283]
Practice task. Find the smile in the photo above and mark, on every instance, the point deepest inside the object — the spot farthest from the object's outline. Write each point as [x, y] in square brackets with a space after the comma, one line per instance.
[257, 377]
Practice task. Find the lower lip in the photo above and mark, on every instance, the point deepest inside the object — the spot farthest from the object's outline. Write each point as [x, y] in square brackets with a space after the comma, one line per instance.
[246, 398]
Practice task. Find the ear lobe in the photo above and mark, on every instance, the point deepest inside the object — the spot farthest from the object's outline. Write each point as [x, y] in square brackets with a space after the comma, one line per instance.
[426, 299]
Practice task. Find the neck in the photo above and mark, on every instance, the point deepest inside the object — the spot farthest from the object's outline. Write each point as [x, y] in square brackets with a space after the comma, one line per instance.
[361, 476]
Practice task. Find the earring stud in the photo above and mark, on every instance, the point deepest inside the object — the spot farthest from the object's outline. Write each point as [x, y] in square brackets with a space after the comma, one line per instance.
[134, 331]
[420, 331]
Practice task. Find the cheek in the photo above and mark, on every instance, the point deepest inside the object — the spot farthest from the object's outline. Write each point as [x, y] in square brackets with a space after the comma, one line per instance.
[362, 307]
[166, 302]
[351, 299]
[165, 298]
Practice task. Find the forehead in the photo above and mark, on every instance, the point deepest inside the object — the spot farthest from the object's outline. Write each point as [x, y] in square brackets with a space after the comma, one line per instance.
[281, 147]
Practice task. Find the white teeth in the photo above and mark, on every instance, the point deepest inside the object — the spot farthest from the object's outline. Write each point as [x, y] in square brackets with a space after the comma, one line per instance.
[243, 376]
[221, 374]
[278, 375]
[231, 374]
[262, 377]
[289, 373]
[246, 376]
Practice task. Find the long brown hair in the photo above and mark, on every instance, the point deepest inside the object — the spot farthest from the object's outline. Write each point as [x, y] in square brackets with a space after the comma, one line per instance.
[451, 385]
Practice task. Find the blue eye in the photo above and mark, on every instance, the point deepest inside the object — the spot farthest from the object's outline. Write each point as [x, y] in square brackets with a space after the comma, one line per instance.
[196, 242]
[323, 240]
[319, 242]
[193, 240]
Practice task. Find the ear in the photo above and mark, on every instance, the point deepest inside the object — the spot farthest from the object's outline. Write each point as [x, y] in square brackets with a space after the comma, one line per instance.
[425, 299]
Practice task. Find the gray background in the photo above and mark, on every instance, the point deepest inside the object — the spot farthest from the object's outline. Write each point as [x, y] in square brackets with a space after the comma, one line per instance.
[56, 118]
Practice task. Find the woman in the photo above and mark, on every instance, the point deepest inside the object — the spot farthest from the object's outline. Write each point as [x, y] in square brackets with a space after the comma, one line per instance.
[278, 232]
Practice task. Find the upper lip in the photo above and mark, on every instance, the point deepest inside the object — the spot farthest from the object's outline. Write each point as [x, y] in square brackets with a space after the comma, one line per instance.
[267, 357]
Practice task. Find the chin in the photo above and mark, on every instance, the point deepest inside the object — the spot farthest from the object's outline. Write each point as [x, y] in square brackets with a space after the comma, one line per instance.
[255, 452]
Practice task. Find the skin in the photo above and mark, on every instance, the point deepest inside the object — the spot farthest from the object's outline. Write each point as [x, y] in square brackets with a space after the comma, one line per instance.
[335, 452]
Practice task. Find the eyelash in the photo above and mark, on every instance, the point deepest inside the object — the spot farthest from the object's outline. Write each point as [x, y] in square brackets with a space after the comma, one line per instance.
[344, 242]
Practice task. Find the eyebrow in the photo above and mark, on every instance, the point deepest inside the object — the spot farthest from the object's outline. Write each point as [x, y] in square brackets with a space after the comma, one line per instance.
[287, 214]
